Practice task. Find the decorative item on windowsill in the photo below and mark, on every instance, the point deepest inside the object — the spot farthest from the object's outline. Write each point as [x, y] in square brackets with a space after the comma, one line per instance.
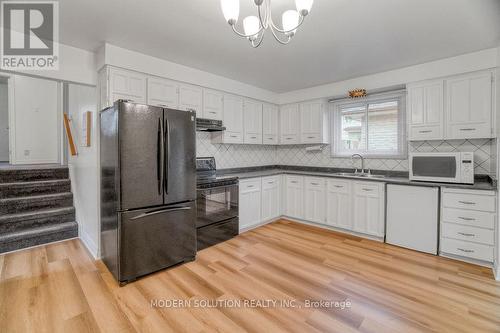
[357, 93]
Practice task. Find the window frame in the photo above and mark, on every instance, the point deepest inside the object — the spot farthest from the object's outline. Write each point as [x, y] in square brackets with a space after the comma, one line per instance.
[336, 123]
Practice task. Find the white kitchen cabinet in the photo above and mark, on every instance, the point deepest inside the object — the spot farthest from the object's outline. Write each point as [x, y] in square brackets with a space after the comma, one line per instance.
[368, 208]
[289, 124]
[294, 196]
[232, 118]
[127, 85]
[315, 197]
[252, 121]
[212, 104]
[426, 110]
[313, 122]
[339, 204]
[270, 205]
[190, 98]
[469, 111]
[162, 92]
[270, 124]
[249, 203]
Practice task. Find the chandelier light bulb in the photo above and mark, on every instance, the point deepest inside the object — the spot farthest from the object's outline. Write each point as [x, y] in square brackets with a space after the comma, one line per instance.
[304, 6]
[290, 20]
[251, 25]
[231, 10]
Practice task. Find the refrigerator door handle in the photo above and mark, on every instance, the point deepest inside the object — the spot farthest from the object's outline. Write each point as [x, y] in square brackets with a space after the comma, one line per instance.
[161, 156]
[167, 155]
[160, 211]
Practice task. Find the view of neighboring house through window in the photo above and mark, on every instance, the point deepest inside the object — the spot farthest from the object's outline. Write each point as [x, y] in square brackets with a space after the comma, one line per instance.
[373, 127]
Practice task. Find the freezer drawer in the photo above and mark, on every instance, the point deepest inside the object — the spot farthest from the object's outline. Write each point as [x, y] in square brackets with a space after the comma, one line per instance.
[153, 239]
[216, 233]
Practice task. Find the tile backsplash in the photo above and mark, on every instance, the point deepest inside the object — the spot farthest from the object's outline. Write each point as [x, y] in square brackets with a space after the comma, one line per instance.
[235, 156]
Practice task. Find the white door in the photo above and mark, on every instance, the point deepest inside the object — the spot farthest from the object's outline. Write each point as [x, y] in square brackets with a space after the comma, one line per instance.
[338, 204]
[163, 93]
[270, 125]
[289, 124]
[212, 104]
[295, 196]
[190, 98]
[37, 121]
[270, 198]
[311, 122]
[368, 208]
[249, 203]
[252, 121]
[126, 85]
[315, 195]
[4, 122]
[426, 110]
[233, 119]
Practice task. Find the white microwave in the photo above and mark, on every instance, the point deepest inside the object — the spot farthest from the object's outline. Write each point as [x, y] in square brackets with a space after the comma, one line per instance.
[453, 167]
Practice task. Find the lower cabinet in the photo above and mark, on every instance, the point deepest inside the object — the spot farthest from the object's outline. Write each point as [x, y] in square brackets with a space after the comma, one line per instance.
[315, 197]
[294, 196]
[250, 202]
[270, 206]
[368, 203]
[338, 204]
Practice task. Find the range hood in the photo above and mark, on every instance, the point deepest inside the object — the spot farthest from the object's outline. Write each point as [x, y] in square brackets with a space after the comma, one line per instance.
[209, 125]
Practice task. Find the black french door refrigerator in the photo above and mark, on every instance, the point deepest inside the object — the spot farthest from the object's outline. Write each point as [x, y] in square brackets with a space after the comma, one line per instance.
[148, 188]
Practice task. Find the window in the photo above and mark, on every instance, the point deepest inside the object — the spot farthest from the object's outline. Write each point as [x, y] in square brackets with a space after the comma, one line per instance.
[373, 127]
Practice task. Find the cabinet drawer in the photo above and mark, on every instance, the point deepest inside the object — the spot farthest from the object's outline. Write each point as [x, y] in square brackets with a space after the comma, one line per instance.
[426, 132]
[367, 189]
[270, 139]
[310, 138]
[467, 249]
[233, 137]
[338, 186]
[480, 202]
[469, 217]
[250, 185]
[270, 182]
[472, 234]
[294, 181]
[289, 139]
[468, 131]
[315, 182]
[253, 138]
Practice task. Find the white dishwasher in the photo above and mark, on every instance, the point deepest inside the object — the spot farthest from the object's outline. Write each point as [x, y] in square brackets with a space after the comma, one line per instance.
[412, 217]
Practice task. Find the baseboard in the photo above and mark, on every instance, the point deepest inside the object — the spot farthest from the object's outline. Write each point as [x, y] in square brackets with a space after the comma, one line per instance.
[39, 245]
[89, 243]
[496, 272]
[260, 224]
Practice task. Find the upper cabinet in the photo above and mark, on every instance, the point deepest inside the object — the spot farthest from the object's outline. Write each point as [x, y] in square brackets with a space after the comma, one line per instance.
[232, 118]
[252, 120]
[162, 92]
[426, 110]
[289, 124]
[469, 106]
[313, 122]
[190, 98]
[270, 124]
[212, 104]
[127, 85]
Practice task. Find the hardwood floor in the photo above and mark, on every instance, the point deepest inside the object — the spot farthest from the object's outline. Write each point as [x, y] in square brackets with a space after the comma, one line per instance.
[59, 288]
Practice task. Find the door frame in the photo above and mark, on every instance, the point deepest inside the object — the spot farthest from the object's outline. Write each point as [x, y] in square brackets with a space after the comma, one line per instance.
[10, 111]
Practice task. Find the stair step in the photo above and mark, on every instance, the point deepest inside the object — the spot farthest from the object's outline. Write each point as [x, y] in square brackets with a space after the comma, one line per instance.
[31, 203]
[23, 189]
[33, 174]
[36, 236]
[35, 219]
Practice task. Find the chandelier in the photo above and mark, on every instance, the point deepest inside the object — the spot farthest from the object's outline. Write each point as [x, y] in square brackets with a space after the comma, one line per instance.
[254, 27]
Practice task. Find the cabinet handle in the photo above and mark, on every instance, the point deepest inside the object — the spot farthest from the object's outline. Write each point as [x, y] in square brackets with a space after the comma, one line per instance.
[288, 138]
[426, 131]
[270, 138]
[249, 186]
[253, 137]
[464, 250]
[367, 189]
[466, 234]
[310, 137]
[467, 129]
[233, 136]
[294, 182]
[466, 218]
[212, 112]
[314, 184]
[270, 183]
[164, 105]
[339, 186]
[467, 202]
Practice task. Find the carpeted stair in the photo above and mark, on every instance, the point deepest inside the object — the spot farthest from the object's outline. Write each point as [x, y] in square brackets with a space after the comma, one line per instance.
[36, 207]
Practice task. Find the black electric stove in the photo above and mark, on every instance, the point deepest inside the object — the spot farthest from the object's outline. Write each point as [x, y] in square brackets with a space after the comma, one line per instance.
[217, 204]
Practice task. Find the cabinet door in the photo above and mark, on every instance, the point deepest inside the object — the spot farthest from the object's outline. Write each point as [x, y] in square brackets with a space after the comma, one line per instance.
[233, 119]
[270, 118]
[311, 122]
[270, 198]
[252, 124]
[163, 93]
[127, 85]
[295, 196]
[469, 106]
[289, 124]
[426, 110]
[249, 203]
[368, 208]
[338, 203]
[190, 98]
[315, 195]
[212, 104]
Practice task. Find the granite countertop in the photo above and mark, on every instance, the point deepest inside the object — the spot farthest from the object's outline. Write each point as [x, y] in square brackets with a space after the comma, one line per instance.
[482, 182]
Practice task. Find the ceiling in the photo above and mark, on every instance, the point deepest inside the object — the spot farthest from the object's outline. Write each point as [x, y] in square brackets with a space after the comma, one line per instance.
[340, 39]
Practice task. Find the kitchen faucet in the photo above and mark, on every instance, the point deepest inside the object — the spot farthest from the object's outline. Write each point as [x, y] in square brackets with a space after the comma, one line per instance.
[362, 163]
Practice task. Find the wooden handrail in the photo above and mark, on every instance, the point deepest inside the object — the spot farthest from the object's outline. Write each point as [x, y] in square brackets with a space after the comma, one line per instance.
[67, 126]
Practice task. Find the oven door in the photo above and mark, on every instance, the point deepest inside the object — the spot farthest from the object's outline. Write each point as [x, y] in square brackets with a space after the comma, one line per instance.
[443, 168]
[216, 204]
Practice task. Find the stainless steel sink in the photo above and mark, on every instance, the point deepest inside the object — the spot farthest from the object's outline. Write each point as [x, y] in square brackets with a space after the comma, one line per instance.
[360, 175]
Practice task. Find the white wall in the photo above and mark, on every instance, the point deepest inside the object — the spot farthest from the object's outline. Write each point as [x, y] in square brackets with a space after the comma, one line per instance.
[84, 168]
[35, 120]
[4, 123]
[497, 257]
